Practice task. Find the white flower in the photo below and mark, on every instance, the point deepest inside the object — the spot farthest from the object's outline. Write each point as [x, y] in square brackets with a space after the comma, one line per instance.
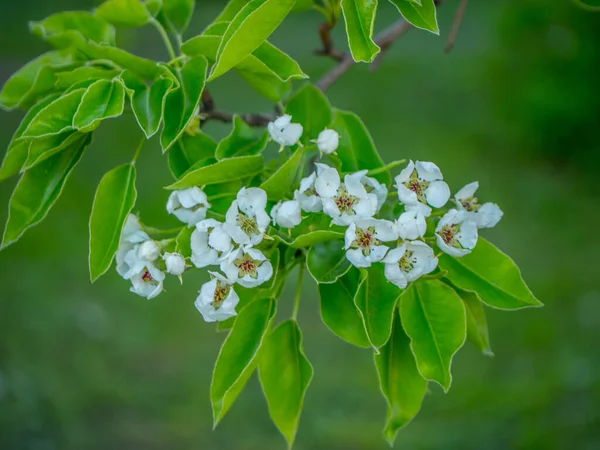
[140, 258]
[188, 205]
[217, 299]
[131, 235]
[247, 266]
[328, 141]
[210, 243]
[486, 215]
[456, 233]
[372, 186]
[286, 214]
[175, 263]
[307, 195]
[422, 182]
[246, 218]
[148, 282]
[411, 225]
[363, 240]
[408, 262]
[344, 202]
[284, 132]
[149, 251]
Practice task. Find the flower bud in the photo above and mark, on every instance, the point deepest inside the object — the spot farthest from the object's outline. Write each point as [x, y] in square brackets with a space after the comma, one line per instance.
[149, 251]
[175, 263]
[328, 141]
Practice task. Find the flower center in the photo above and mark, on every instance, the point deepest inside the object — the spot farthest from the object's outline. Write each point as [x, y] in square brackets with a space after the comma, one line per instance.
[221, 293]
[246, 266]
[407, 262]
[448, 234]
[146, 277]
[471, 204]
[365, 240]
[345, 201]
[310, 192]
[417, 186]
[247, 224]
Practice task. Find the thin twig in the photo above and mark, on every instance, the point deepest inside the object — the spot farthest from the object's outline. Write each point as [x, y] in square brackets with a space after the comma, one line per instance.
[254, 119]
[208, 104]
[460, 12]
[328, 47]
[395, 34]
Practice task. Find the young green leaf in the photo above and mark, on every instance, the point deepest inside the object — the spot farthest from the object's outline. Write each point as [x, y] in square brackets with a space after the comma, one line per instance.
[279, 63]
[124, 13]
[65, 80]
[356, 149]
[182, 103]
[339, 312]
[285, 374]
[281, 182]
[202, 45]
[55, 117]
[103, 99]
[143, 67]
[401, 384]
[188, 150]
[35, 79]
[419, 14]
[376, 300]
[241, 141]
[433, 316]
[177, 14]
[147, 102]
[327, 262]
[236, 360]
[231, 10]
[59, 29]
[269, 86]
[359, 17]
[492, 274]
[38, 189]
[310, 108]
[251, 26]
[17, 151]
[44, 147]
[113, 201]
[220, 172]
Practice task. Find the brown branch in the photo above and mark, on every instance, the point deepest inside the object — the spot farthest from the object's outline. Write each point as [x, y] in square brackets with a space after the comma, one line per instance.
[460, 12]
[254, 119]
[328, 47]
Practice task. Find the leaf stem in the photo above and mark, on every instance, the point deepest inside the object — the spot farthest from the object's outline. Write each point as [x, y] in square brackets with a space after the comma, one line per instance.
[386, 168]
[165, 37]
[298, 292]
[138, 150]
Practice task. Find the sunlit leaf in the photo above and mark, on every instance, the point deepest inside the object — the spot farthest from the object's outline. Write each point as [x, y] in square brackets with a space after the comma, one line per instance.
[310, 108]
[420, 14]
[59, 28]
[359, 17]
[104, 99]
[124, 13]
[45, 147]
[327, 262]
[278, 185]
[64, 80]
[188, 150]
[242, 141]
[177, 14]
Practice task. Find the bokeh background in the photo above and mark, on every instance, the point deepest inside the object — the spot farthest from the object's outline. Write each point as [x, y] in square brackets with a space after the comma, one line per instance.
[516, 106]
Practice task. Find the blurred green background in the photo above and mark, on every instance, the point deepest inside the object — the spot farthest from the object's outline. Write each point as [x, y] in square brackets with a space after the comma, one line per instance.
[516, 106]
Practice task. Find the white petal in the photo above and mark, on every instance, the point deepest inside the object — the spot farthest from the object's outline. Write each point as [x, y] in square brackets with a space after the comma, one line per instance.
[467, 191]
[467, 236]
[328, 141]
[411, 225]
[395, 275]
[366, 207]
[349, 236]
[236, 233]
[405, 174]
[282, 121]
[291, 134]
[378, 253]
[386, 231]
[174, 262]
[437, 194]
[308, 182]
[452, 251]
[428, 171]
[420, 208]
[406, 196]
[206, 258]
[327, 182]
[330, 208]
[251, 200]
[355, 187]
[149, 251]
[357, 258]
[488, 215]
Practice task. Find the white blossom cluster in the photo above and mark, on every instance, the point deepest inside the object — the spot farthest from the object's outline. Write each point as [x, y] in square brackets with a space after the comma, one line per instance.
[353, 202]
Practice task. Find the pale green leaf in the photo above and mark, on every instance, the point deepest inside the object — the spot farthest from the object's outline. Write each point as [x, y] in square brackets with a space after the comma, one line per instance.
[143, 67]
[278, 185]
[65, 80]
[177, 14]
[104, 99]
[38, 189]
[44, 147]
[58, 28]
[124, 13]
[359, 17]
[401, 384]
[311, 109]
[236, 360]
[419, 14]
[188, 150]
[241, 141]
[433, 316]
[269, 86]
[285, 374]
[327, 262]
[113, 202]
[231, 10]
[492, 274]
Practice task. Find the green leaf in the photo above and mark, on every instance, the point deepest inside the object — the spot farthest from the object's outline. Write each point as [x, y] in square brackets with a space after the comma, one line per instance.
[113, 202]
[182, 103]
[357, 150]
[339, 312]
[17, 151]
[241, 141]
[278, 185]
[65, 80]
[103, 99]
[55, 117]
[220, 172]
[269, 86]
[278, 62]
[177, 14]
[327, 262]
[43, 148]
[202, 45]
[285, 374]
[359, 17]
[492, 274]
[401, 384]
[38, 189]
[376, 300]
[188, 150]
[124, 13]
[236, 360]
[310, 108]
[35, 79]
[433, 316]
[58, 28]
[419, 15]
[231, 10]
[477, 327]
[143, 67]
[183, 241]
[251, 26]
[147, 102]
